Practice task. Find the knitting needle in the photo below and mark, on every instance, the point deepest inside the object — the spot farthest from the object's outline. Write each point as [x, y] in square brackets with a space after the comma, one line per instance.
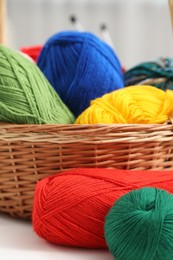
[171, 11]
[2, 21]
[75, 21]
[107, 38]
[104, 29]
[106, 35]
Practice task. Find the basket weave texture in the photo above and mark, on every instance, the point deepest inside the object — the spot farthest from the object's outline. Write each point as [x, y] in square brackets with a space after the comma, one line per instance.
[29, 153]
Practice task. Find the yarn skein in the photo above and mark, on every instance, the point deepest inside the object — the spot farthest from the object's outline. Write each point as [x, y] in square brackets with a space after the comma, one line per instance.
[80, 67]
[26, 97]
[140, 226]
[131, 105]
[158, 72]
[32, 51]
[70, 208]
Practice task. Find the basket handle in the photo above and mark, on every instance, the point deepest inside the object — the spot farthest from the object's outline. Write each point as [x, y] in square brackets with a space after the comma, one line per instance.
[2, 21]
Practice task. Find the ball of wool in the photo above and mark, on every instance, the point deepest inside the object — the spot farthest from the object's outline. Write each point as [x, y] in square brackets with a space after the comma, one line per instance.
[158, 73]
[140, 226]
[26, 96]
[80, 67]
[131, 105]
[70, 208]
[32, 51]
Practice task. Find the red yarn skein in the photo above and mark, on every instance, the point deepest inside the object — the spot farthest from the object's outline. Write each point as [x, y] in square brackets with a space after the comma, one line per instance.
[32, 51]
[70, 207]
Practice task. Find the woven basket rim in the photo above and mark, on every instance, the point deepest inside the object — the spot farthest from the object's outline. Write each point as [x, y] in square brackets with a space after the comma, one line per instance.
[96, 133]
[11, 125]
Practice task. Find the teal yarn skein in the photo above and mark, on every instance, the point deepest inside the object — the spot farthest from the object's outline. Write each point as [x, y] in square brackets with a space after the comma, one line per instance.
[159, 72]
[139, 226]
[26, 96]
[80, 67]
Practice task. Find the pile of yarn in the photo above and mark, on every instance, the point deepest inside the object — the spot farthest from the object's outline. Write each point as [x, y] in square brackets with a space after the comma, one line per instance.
[80, 67]
[72, 69]
[26, 97]
[87, 77]
[77, 78]
[99, 208]
[158, 73]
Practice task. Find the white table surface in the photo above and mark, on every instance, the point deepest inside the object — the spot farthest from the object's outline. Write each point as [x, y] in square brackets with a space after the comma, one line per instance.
[19, 242]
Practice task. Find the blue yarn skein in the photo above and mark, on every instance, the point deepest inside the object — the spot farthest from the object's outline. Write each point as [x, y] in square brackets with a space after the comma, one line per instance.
[80, 67]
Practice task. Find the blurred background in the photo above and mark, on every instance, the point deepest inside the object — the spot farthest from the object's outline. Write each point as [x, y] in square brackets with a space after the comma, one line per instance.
[140, 29]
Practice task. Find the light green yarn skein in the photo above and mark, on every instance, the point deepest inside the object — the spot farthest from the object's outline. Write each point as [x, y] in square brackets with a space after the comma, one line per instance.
[26, 97]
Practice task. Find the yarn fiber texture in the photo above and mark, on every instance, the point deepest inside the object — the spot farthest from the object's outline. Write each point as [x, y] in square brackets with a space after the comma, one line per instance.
[26, 97]
[70, 208]
[139, 226]
[131, 105]
[80, 67]
[159, 72]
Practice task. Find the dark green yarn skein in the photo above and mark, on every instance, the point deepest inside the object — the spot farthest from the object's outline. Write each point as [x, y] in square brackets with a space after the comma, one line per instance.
[26, 97]
[159, 72]
[139, 226]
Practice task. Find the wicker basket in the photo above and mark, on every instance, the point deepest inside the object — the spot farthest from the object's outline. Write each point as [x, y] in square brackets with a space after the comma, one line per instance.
[28, 153]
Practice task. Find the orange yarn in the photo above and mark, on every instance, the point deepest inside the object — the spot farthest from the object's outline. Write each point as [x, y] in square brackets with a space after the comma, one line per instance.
[70, 208]
[139, 104]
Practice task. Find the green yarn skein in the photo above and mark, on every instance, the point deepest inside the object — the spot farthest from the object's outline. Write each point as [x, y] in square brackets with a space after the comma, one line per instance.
[139, 226]
[26, 97]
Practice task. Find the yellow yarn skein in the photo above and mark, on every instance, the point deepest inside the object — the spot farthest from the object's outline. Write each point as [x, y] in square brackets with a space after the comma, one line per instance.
[138, 104]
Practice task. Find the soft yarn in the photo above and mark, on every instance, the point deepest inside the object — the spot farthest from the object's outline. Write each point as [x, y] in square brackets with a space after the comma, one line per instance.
[80, 67]
[70, 208]
[140, 226]
[26, 97]
[159, 72]
[32, 51]
[131, 105]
